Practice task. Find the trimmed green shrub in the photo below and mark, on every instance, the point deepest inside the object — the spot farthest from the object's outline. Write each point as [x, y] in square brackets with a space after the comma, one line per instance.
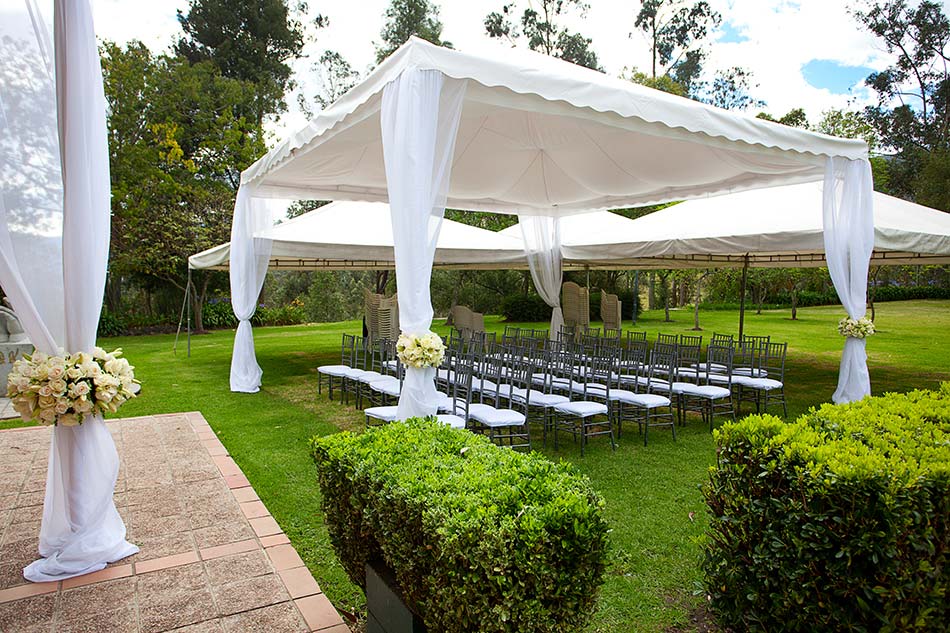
[905, 293]
[480, 538]
[839, 521]
[110, 325]
[218, 315]
[521, 308]
[290, 314]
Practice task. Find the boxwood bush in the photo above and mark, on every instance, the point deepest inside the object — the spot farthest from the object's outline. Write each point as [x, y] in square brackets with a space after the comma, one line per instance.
[480, 538]
[839, 521]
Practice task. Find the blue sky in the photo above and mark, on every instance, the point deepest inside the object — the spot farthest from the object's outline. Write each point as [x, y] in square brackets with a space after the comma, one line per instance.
[834, 76]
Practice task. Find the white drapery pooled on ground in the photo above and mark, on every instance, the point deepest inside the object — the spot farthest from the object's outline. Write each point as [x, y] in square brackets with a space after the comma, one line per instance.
[248, 267]
[542, 247]
[849, 240]
[419, 120]
[54, 234]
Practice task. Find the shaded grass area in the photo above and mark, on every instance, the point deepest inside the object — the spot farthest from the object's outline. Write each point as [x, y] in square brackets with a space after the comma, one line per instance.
[652, 493]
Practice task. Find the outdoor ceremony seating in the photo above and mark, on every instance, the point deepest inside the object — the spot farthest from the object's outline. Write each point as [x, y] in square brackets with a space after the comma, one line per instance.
[586, 386]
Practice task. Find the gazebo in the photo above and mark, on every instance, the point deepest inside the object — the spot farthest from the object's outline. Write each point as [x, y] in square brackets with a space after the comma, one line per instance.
[530, 135]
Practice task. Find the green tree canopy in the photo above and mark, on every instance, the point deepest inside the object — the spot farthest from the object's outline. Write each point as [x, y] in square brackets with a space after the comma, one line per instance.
[540, 28]
[405, 18]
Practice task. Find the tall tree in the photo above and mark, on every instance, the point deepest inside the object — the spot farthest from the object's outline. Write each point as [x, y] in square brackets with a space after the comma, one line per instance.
[249, 40]
[541, 30]
[405, 18]
[177, 148]
[335, 76]
[912, 116]
[675, 31]
[731, 90]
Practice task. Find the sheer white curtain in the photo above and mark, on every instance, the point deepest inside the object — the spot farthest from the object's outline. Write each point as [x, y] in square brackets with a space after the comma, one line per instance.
[56, 206]
[849, 240]
[419, 119]
[248, 267]
[542, 247]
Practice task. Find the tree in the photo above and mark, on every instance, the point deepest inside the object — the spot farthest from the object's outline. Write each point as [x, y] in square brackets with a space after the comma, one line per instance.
[912, 116]
[730, 90]
[248, 40]
[335, 76]
[405, 18]
[542, 32]
[177, 148]
[675, 31]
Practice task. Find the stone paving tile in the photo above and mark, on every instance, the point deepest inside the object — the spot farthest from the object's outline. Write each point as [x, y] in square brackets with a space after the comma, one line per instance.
[202, 530]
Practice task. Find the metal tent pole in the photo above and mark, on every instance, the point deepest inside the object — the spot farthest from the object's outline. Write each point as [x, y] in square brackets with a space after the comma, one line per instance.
[188, 303]
[742, 285]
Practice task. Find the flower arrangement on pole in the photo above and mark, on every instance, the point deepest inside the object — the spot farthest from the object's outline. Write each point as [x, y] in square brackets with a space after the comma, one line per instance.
[419, 351]
[856, 328]
[67, 389]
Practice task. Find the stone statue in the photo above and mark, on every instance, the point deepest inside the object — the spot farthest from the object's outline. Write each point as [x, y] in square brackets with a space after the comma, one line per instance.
[10, 329]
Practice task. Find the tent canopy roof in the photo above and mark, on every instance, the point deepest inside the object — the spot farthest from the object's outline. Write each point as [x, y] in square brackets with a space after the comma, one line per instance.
[541, 135]
[359, 236]
[780, 226]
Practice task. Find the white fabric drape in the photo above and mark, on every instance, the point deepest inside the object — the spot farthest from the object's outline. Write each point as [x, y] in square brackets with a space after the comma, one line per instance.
[419, 120]
[57, 206]
[248, 267]
[542, 247]
[849, 240]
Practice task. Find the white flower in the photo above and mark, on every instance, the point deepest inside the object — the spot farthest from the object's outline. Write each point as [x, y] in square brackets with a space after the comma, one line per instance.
[61, 407]
[58, 386]
[68, 419]
[99, 353]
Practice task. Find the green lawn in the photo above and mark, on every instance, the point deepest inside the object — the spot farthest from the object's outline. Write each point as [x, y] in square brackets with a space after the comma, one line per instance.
[653, 501]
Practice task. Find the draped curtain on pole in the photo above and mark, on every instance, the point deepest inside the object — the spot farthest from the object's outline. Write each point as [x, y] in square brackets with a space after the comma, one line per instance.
[54, 234]
[849, 240]
[419, 120]
[248, 267]
[542, 247]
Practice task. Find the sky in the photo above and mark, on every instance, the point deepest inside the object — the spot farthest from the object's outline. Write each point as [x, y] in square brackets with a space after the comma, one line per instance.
[802, 53]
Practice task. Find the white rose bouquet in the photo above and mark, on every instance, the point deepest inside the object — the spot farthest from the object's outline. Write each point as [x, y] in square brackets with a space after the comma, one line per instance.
[856, 328]
[427, 350]
[65, 389]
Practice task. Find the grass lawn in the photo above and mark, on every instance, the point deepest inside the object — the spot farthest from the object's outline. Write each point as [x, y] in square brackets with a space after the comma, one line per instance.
[653, 501]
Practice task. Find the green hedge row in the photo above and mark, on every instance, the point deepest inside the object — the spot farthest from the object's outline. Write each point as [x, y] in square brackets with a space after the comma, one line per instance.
[480, 538]
[839, 521]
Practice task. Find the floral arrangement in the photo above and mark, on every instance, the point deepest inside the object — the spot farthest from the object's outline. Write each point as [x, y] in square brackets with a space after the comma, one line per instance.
[856, 328]
[427, 350]
[65, 389]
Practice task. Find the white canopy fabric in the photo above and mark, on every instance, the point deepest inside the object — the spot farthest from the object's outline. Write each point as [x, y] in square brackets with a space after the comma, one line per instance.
[359, 236]
[774, 227]
[54, 247]
[533, 135]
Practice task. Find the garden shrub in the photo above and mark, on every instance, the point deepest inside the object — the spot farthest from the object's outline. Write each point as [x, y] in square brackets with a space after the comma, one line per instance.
[480, 538]
[837, 521]
[905, 293]
[521, 308]
[111, 325]
[218, 315]
[291, 314]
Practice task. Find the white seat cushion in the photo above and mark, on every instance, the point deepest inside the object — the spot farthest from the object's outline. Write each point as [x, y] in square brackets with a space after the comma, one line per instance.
[391, 364]
[354, 373]
[333, 370]
[369, 376]
[388, 386]
[766, 384]
[490, 416]
[454, 421]
[686, 388]
[538, 398]
[749, 371]
[646, 400]
[582, 409]
[386, 414]
[710, 391]
[592, 387]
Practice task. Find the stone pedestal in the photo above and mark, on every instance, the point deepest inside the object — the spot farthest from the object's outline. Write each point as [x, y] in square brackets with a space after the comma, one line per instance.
[387, 612]
[9, 354]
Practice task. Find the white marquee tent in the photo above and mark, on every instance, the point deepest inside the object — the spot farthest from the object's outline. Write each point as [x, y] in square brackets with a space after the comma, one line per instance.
[521, 133]
[359, 236]
[774, 227]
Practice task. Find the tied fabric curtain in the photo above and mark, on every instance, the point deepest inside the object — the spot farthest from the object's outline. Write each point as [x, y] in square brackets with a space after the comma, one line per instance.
[542, 247]
[419, 120]
[54, 234]
[248, 267]
[849, 240]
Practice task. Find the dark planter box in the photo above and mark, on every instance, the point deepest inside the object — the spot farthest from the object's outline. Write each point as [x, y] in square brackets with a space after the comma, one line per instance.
[387, 611]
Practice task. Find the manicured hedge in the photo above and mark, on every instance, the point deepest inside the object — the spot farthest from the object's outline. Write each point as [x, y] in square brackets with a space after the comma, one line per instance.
[839, 521]
[480, 538]
[522, 308]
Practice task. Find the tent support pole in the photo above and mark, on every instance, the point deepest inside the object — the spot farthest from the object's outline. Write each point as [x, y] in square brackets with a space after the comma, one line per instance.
[188, 303]
[742, 285]
[636, 294]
